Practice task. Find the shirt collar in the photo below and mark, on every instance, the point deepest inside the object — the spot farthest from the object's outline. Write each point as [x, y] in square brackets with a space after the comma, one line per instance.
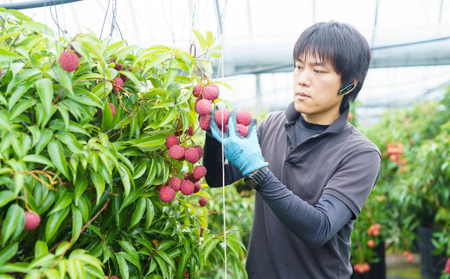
[335, 128]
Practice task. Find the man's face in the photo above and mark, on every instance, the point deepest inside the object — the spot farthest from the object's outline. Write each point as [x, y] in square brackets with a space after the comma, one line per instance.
[316, 86]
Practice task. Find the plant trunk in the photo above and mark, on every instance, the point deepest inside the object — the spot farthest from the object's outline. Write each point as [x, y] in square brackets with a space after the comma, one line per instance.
[431, 265]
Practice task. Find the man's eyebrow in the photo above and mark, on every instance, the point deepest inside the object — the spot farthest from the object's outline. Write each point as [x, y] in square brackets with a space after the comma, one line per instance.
[316, 63]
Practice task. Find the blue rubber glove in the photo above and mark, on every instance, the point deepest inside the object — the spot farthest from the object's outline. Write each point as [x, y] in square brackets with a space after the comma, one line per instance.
[243, 152]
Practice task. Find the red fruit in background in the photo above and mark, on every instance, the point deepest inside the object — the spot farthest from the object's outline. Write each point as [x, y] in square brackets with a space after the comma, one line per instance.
[197, 90]
[210, 92]
[113, 109]
[197, 187]
[356, 268]
[218, 116]
[204, 122]
[167, 194]
[405, 254]
[32, 220]
[224, 129]
[203, 107]
[199, 151]
[176, 152]
[365, 268]
[118, 84]
[201, 231]
[350, 116]
[186, 176]
[410, 258]
[242, 130]
[0, 72]
[243, 117]
[191, 155]
[175, 183]
[202, 201]
[199, 172]
[190, 131]
[171, 141]
[411, 142]
[119, 67]
[393, 157]
[377, 226]
[69, 61]
[402, 169]
[114, 277]
[376, 232]
[447, 266]
[370, 243]
[187, 187]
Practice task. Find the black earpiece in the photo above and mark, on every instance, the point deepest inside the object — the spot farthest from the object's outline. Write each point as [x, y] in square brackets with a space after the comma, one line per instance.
[346, 89]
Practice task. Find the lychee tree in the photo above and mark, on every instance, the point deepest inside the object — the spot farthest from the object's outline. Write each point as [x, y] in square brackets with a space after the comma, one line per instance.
[85, 126]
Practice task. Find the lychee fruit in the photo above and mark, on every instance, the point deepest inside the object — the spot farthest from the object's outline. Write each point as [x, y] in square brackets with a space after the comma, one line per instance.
[184, 151]
[113, 109]
[204, 122]
[167, 194]
[370, 243]
[191, 155]
[186, 175]
[118, 67]
[242, 130]
[179, 130]
[171, 141]
[410, 258]
[118, 84]
[202, 201]
[0, 72]
[69, 61]
[197, 90]
[175, 183]
[176, 152]
[243, 117]
[199, 150]
[210, 92]
[201, 231]
[197, 187]
[215, 85]
[187, 187]
[224, 129]
[447, 266]
[32, 220]
[203, 107]
[114, 277]
[199, 172]
[218, 116]
[190, 131]
[192, 178]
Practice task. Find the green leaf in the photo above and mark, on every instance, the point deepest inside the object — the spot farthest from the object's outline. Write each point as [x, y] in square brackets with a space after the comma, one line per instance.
[94, 49]
[20, 90]
[208, 246]
[102, 89]
[125, 176]
[166, 258]
[26, 75]
[71, 141]
[206, 66]
[131, 259]
[6, 56]
[38, 27]
[99, 184]
[73, 127]
[107, 117]
[162, 264]
[201, 39]
[125, 51]
[46, 136]
[7, 253]
[135, 194]
[62, 77]
[151, 143]
[54, 222]
[6, 196]
[58, 158]
[4, 121]
[81, 183]
[215, 53]
[173, 112]
[138, 213]
[11, 222]
[64, 200]
[40, 249]
[38, 159]
[45, 91]
[209, 39]
[77, 222]
[86, 98]
[150, 214]
[36, 133]
[133, 78]
[123, 267]
[61, 248]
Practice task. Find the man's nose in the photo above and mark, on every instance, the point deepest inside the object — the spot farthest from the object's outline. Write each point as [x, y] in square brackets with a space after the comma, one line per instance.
[304, 78]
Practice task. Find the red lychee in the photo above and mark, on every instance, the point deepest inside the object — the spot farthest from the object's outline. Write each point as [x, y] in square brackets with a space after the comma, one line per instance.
[447, 266]
[202, 201]
[242, 130]
[191, 155]
[199, 172]
[199, 150]
[197, 187]
[0, 72]
[176, 152]
[32, 220]
[370, 243]
[201, 231]
[204, 122]
[192, 178]
[218, 116]
[167, 194]
[203, 107]
[114, 277]
[69, 61]
[118, 84]
[197, 90]
[175, 183]
[113, 109]
[118, 67]
[190, 131]
[243, 117]
[183, 158]
[224, 129]
[186, 175]
[187, 187]
[171, 141]
[216, 86]
[210, 92]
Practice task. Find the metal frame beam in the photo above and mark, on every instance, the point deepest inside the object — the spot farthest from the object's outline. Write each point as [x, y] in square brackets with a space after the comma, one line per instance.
[36, 4]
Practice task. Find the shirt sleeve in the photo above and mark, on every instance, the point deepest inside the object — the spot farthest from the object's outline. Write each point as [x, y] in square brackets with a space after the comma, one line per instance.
[355, 178]
[314, 225]
[212, 160]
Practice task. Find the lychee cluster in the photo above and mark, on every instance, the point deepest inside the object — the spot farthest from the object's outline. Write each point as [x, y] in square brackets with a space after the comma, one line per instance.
[374, 230]
[409, 256]
[361, 268]
[394, 151]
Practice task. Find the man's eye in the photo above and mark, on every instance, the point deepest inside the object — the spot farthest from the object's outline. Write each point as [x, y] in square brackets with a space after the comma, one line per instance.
[318, 71]
[299, 67]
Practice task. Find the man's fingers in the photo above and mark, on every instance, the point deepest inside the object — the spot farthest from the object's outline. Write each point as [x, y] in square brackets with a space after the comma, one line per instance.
[252, 128]
[232, 126]
[215, 131]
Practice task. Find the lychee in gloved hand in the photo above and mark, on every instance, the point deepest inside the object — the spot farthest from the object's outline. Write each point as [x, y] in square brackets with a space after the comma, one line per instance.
[243, 152]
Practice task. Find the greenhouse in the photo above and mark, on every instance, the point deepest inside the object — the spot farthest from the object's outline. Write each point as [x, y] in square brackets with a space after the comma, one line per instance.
[224, 139]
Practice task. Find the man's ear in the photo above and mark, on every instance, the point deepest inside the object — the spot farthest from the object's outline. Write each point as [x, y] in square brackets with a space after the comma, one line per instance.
[349, 88]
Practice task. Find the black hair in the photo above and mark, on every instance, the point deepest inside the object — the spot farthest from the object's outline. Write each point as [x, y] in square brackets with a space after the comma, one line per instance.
[342, 46]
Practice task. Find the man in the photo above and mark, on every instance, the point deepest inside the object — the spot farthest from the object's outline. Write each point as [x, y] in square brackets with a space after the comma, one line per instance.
[311, 169]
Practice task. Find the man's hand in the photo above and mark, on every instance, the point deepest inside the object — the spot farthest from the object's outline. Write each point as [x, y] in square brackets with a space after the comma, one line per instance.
[243, 152]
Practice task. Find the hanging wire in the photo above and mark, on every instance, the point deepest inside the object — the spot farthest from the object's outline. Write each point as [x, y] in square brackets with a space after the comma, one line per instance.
[167, 23]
